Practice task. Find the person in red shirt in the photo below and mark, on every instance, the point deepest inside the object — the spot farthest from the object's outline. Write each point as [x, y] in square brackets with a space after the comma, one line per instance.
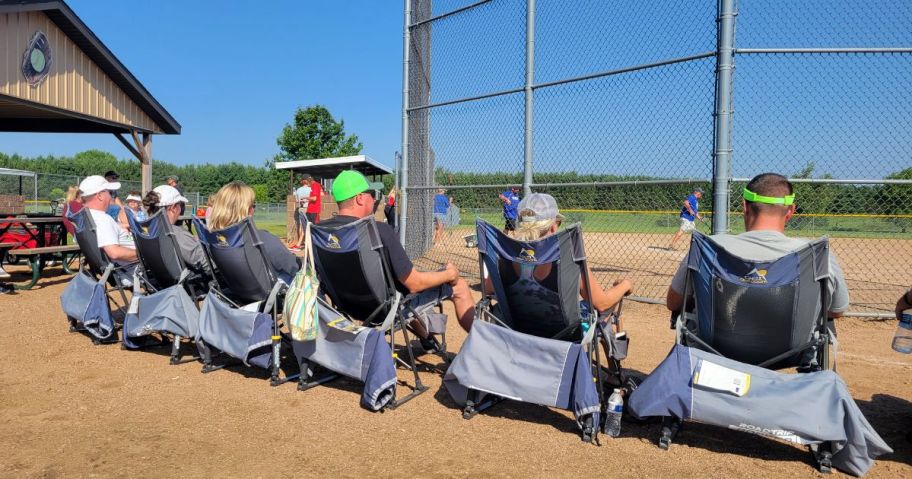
[315, 201]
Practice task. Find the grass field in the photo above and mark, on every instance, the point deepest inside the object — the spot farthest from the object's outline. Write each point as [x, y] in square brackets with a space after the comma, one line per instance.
[858, 226]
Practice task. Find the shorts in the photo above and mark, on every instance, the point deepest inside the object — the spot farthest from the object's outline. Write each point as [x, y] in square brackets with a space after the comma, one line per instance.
[440, 218]
[687, 225]
[509, 225]
[313, 217]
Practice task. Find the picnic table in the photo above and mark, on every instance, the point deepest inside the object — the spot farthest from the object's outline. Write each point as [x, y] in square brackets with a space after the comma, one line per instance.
[36, 228]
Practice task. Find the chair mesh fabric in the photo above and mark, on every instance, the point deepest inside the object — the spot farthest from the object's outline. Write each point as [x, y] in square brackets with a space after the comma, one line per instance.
[353, 268]
[157, 249]
[563, 252]
[243, 272]
[752, 311]
[88, 241]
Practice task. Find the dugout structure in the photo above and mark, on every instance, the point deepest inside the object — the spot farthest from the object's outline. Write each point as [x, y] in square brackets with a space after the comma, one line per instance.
[324, 170]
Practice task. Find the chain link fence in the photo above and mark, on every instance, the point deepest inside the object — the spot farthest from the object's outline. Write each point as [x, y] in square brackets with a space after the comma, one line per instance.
[614, 110]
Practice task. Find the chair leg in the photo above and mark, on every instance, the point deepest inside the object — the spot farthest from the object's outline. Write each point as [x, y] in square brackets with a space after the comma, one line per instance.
[306, 379]
[670, 428]
[474, 406]
[823, 454]
[419, 387]
[175, 350]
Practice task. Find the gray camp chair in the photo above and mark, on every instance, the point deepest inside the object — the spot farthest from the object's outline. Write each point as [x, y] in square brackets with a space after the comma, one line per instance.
[171, 286]
[538, 347]
[354, 272]
[97, 276]
[769, 314]
[240, 314]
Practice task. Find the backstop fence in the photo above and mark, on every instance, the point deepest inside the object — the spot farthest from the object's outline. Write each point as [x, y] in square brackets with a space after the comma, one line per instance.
[619, 109]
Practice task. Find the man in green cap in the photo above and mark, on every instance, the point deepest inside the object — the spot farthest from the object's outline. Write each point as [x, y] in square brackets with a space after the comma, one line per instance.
[769, 203]
[352, 193]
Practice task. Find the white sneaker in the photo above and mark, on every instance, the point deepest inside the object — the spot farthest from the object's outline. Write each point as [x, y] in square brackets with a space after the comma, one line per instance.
[4, 274]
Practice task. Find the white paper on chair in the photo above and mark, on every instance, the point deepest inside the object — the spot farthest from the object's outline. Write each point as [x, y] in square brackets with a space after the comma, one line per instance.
[713, 376]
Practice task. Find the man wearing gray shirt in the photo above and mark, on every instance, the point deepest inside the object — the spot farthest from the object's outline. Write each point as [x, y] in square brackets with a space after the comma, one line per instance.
[769, 203]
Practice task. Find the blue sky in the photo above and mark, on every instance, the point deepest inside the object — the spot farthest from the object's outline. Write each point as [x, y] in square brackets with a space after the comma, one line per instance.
[233, 73]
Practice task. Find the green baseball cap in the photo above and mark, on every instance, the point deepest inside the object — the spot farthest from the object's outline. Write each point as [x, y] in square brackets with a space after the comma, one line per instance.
[348, 184]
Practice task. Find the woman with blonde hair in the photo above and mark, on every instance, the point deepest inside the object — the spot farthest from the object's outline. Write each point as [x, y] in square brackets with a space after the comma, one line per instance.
[237, 201]
[539, 217]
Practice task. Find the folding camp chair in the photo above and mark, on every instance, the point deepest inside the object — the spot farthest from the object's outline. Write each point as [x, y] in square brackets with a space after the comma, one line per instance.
[537, 345]
[239, 316]
[168, 280]
[97, 275]
[355, 273]
[770, 314]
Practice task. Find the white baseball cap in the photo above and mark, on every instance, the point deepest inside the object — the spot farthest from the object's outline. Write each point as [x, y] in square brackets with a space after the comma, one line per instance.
[168, 195]
[133, 198]
[95, 184]
[543, 207]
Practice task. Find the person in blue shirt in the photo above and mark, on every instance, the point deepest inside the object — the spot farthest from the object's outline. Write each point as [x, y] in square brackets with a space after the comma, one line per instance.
[510, 200]
[689, 212]
[441, 205]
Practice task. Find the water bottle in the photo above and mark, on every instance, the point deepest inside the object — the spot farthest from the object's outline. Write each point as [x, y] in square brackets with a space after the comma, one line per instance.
[902, 340]
[615, 411]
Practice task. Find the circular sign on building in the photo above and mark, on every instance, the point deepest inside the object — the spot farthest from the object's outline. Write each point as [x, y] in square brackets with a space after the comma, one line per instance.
[36, 61]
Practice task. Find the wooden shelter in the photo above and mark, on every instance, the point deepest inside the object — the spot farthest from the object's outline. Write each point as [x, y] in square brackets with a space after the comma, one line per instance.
[57, 77]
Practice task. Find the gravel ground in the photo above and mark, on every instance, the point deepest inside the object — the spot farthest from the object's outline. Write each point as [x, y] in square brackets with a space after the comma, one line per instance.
[68, 408]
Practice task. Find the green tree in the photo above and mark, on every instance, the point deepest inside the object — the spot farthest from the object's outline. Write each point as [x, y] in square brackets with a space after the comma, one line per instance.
[897, 199]
[314, 133]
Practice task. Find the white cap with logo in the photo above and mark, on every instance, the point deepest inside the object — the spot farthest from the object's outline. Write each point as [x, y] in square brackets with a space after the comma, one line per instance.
[542, 206]
[94, 184]
[168, 195]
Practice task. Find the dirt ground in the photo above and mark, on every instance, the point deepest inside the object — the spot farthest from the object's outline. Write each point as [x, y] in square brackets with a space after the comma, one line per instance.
[876, 270]
[68, 408]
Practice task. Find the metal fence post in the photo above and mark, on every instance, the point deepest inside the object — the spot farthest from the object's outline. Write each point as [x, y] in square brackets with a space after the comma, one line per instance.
[403, 174]
[530, 79]
[722, 147]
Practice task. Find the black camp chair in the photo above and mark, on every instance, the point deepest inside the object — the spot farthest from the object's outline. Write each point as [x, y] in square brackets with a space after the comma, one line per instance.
[97, 265]
[243, 276]
[162, 264]
[355, 273]
[771, 314]
[553, 311]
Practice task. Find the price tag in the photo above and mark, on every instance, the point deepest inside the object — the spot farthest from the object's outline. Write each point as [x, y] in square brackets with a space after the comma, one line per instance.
[713, 376]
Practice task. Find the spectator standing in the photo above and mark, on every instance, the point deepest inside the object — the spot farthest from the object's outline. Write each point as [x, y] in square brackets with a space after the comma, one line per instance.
[315, 200]
[302, 198]
[510, 200]
[390, 208]
[441, 206]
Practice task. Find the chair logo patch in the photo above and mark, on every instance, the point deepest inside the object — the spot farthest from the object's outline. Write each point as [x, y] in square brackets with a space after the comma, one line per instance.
[145, 229]
[222, 240]
[527, 254]
[755, 276]
[333, 242]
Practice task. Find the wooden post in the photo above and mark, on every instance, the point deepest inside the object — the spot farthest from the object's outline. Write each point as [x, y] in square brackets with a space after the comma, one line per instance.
[146, 163]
